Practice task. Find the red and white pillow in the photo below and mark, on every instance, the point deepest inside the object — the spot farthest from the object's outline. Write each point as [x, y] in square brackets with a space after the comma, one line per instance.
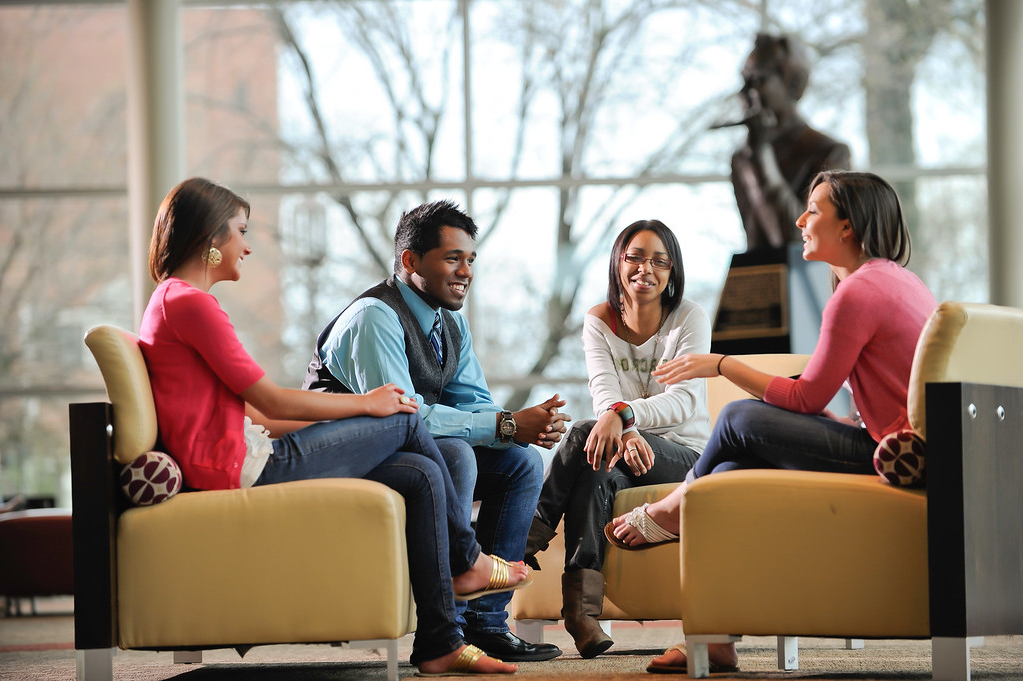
[899, 458]
[151, 478]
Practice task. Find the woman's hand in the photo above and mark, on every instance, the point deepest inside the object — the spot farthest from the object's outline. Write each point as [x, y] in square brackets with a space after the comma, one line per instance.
[388, 399]
[605, 441]
[638, 454]
[685, 367]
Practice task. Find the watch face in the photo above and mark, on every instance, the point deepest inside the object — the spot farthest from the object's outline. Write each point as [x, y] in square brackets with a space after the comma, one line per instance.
[507, 426]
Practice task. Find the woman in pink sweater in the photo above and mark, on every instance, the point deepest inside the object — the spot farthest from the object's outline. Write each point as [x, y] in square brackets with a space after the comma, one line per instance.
[853, 222]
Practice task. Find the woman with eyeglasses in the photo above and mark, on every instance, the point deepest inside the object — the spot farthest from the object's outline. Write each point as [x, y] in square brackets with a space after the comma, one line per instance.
[644, 432]
[853, 221]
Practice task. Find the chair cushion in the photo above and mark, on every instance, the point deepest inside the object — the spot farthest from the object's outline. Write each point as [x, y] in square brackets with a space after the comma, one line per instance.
[297, 562]
[767, 552]
[127, 380]
[899, 458]
[151, 478]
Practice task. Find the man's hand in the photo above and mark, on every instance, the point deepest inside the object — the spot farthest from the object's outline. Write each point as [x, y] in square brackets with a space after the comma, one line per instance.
[761, 122]
[542, 425]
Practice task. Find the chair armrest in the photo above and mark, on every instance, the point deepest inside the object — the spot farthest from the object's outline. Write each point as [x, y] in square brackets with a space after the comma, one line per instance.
[975, 509]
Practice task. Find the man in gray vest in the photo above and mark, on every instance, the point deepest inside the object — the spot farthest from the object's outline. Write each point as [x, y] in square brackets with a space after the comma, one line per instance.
[407, 331]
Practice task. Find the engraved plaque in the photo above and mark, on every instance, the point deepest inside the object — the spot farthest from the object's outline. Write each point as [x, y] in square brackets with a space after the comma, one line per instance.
[754, 303]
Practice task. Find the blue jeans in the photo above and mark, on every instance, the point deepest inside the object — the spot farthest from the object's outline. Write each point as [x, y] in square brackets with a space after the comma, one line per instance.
[507, 483]
[753, 434]
[585, 497]
[399, 452]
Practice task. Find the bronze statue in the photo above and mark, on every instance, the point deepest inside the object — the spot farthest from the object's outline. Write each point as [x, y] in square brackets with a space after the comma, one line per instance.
[771, 172]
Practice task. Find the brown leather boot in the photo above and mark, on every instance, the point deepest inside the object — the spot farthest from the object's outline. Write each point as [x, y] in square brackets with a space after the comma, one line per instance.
[539, 538]
[583, 597]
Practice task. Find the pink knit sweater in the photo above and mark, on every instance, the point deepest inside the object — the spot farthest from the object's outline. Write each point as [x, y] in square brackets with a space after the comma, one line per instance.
[868, 335]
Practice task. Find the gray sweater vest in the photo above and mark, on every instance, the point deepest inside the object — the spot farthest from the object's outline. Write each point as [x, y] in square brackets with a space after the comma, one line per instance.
[428, 376]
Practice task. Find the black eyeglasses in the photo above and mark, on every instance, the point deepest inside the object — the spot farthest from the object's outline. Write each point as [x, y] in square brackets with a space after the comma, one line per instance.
[656, 263]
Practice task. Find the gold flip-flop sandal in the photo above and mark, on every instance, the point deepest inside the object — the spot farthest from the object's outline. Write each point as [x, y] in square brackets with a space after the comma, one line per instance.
[462, 666]
[499, 581]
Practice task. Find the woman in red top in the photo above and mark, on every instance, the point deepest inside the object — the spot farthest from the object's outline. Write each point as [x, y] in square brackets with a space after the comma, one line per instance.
[228, 425]
[870, 326]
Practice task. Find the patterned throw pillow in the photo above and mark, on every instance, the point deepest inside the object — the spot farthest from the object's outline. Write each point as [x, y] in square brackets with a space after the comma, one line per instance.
[899, 458]
[151, 478]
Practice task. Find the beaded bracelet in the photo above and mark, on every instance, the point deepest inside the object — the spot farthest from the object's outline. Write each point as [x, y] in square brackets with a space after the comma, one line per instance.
[625, 413]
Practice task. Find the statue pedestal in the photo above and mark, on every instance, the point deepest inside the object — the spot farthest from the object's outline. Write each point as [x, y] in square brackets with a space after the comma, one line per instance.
[772, 301]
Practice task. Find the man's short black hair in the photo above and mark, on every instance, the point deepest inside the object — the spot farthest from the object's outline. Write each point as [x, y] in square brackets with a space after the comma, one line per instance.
[419, 228]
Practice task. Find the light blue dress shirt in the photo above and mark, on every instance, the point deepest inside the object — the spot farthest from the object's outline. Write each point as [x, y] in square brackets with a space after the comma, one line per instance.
[366, 349]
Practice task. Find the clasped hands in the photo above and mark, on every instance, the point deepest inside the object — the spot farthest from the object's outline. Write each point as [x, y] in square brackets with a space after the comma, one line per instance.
[542, 425]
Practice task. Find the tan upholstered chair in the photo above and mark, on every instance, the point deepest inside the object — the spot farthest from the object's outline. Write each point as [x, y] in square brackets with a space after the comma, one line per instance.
[314, 561]
[812, 554]
[639, 585]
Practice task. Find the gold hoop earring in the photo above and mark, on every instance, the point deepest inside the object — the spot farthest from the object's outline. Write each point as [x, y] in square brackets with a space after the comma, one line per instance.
[213, 257]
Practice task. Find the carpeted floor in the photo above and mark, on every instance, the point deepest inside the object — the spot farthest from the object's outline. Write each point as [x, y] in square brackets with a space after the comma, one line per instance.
[40, 648]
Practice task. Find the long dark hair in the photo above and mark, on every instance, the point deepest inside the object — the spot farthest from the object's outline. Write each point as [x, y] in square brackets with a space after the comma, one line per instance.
[672, 294]
[191, 217]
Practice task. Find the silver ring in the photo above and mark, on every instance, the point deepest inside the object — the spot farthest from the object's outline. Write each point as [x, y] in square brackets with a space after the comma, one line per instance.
[404, 399]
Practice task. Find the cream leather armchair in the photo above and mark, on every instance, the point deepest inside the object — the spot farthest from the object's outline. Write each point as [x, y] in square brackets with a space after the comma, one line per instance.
[314, 561]
[639, 585]
[797, 553]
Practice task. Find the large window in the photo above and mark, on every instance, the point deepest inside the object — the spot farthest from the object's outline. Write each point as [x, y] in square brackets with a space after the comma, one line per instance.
[555, 122]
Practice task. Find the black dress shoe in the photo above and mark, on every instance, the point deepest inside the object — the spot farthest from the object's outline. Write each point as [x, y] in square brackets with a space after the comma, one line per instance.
[508, 647]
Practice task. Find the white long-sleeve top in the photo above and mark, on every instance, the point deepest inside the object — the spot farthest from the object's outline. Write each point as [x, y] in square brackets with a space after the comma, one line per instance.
[619, 371]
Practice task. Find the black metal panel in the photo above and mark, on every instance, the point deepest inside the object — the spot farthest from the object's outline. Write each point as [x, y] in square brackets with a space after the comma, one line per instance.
[975, 509]
[95, 506]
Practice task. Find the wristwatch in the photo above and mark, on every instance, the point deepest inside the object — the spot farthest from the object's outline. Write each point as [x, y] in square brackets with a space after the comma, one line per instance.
[506, 427]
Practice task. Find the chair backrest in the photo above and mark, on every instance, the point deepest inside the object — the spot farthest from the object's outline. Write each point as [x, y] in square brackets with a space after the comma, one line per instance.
[721, 391]
[965, 343]
[124, 372]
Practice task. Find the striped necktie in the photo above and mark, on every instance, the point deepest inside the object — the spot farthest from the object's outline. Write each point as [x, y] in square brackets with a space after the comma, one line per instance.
[435, 338]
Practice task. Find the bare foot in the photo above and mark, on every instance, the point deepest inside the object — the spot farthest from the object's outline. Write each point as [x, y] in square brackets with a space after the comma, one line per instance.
[672, 657]
[720, 654]
[484, 665]
[478, 576]
[656, 512]
[723, 654]
[627, 533]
